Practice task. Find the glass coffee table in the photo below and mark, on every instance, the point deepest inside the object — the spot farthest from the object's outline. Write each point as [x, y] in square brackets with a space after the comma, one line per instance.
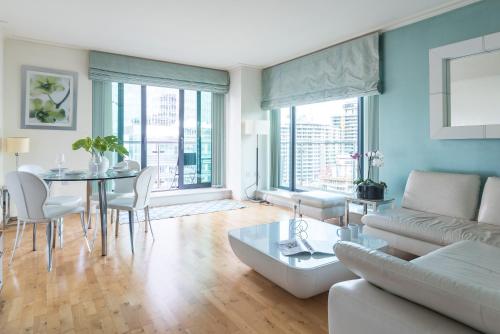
[302, 275]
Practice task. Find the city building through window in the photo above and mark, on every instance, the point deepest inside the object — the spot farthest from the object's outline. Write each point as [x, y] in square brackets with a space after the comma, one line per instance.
[166, 128]
[316, 143]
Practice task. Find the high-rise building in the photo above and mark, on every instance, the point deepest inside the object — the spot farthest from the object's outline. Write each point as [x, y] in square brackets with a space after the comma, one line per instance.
[323, 151]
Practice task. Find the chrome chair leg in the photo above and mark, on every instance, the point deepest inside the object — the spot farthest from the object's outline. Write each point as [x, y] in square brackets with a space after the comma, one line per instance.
[131, 228]
[34, 237]
[60, 230]
[17, 240]
[84, 228]
[50, 238]
[117, 223]
[148, 221]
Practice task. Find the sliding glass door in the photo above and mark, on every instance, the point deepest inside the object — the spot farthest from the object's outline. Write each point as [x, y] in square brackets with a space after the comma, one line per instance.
[169, 129]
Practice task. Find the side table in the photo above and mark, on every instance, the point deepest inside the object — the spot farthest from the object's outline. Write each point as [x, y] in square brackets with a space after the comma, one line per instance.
[366, 203]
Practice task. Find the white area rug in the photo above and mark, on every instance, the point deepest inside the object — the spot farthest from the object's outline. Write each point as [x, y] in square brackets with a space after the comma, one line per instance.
[189, 209]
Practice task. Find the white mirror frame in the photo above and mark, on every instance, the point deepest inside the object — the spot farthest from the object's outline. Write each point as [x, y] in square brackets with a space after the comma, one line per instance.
[439, 89]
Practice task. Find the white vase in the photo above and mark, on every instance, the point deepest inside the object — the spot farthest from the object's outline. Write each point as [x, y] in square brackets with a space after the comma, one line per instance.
[93, 166]
[98, 164]
[103, 165]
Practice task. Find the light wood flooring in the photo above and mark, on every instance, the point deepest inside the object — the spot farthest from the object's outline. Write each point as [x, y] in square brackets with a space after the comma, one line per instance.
[187, 281]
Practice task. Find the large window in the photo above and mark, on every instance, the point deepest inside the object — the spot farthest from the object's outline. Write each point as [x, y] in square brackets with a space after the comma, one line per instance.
[167, 128]
[316, 144]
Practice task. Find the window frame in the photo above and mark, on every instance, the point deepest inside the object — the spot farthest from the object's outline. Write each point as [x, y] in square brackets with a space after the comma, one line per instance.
[144, 141]
[292, 147]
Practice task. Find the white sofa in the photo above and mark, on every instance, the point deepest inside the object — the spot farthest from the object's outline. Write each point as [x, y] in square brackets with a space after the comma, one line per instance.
[455, 289]
[439, 209]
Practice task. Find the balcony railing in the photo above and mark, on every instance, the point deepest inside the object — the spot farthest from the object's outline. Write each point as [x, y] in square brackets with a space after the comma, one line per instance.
[164, 155]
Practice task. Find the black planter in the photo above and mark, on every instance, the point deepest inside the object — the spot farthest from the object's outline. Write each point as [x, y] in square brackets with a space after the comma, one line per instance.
[372, 191]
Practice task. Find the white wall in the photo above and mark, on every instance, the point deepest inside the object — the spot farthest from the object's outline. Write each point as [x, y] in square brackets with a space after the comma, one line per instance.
[46, 144]
[243, 104]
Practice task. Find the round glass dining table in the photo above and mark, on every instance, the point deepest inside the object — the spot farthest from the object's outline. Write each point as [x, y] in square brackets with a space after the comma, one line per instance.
[101, 180]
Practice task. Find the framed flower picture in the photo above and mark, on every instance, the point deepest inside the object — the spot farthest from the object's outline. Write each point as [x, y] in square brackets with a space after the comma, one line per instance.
[48, 98]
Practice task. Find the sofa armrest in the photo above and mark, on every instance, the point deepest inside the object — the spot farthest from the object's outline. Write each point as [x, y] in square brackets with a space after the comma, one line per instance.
[359, 307]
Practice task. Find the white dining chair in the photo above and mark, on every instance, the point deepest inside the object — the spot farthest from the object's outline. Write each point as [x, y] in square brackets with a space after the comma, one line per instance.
[143, 185]
[64, 200]
[30, 193]
[122, 187]
[52, 200]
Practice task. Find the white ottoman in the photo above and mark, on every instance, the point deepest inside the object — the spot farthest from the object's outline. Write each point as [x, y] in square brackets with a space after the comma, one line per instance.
[321, 205]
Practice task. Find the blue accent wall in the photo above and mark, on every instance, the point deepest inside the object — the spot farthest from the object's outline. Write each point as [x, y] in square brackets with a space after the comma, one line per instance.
[404, 104]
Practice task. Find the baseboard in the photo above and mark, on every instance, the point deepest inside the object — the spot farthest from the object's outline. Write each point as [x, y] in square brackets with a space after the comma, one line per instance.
[189, 196]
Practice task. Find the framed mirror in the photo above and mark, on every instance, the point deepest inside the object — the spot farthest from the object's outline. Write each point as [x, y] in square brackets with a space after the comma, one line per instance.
[465, 89]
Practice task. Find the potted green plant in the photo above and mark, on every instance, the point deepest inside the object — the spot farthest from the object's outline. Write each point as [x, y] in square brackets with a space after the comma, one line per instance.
[97, 147]
[367, 188]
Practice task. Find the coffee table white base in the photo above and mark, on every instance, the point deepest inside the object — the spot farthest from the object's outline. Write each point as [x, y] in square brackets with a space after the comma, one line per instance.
[302, 283]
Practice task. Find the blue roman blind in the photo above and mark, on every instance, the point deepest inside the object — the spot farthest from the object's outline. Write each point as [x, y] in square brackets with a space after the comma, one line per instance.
[119, 68]
[345, 70]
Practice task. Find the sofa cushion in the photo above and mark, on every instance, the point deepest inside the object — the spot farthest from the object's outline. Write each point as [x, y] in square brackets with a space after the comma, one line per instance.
[454, 195]
[465, 260]
[319, 199]
[436, 229]
[453, 291]
[489, 211]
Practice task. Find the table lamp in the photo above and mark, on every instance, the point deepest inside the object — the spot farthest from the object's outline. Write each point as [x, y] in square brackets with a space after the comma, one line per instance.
[18, 145]
[256, 127]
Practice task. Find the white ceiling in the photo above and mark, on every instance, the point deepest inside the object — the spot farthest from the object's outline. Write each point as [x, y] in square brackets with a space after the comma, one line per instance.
[214, 33]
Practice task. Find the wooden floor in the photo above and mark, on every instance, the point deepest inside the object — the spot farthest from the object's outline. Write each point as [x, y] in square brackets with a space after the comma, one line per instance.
[187, 281]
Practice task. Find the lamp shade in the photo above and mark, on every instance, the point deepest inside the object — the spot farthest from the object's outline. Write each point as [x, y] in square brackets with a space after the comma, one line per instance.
[256, 127]
[18, 145]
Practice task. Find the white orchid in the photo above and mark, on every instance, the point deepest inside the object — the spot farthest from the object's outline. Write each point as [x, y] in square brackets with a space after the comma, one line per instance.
[377, 162]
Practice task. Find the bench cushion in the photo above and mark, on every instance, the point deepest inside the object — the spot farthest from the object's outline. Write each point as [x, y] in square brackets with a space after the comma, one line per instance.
[454, 195]
[489, 212]
[453, 288]
[319, 199]
[436, 229]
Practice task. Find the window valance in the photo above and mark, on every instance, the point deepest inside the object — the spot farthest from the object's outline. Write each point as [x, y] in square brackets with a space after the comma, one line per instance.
[345, 70]
[112, 67]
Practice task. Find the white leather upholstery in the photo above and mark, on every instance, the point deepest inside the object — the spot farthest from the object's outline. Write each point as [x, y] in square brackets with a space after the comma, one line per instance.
[142, 190]
[489, 211]
[319, 199]
[56, 200]
[432, 228]
[358, 307]
[34, 169]
[454, 289]
[473, 262]
[65, 200]
[29, 193]
[406, 244]
[321, 205]
[122, 203]
[124, 186]
[454, 195]
[322, 214]
[56, 211]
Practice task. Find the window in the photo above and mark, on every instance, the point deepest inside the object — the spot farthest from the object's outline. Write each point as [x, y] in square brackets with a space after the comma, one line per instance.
[316, 143]
[166, 128]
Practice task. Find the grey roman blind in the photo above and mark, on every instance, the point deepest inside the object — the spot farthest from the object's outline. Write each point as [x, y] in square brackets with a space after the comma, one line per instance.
[112, 67]
[345, 70]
